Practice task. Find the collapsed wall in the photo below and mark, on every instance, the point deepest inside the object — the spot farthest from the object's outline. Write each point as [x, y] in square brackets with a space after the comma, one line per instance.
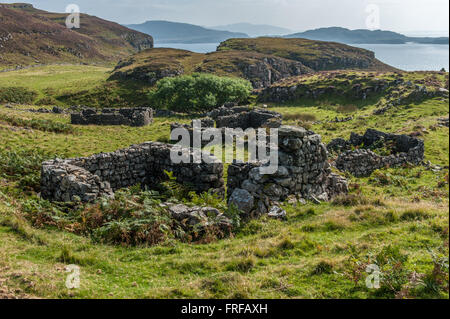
[89, 178]
[108, 116]
[245, 117]
[303, 173]
[240, 117]
[364, 161]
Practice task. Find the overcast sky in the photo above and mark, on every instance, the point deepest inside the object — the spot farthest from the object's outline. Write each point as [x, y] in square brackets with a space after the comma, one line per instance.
[297, 15]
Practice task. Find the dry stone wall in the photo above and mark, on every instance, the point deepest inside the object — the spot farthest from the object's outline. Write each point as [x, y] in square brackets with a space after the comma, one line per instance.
[108, 116]
[364, 161]
[100, 175]
[245, 117]
[233, 117]
[303, 173]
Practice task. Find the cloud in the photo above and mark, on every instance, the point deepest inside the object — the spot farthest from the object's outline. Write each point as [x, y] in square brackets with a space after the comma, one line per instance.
[397, 15]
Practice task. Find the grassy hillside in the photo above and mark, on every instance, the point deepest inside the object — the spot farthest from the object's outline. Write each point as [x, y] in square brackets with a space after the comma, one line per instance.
[263, 61]
[316, 253]
[66, 85]
[151, 65]
[30, 36]
[316, 55]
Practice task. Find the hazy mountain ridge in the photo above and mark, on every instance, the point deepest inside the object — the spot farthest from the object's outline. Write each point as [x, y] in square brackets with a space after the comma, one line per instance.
[175, 32]
[254, 30]
[362, 36]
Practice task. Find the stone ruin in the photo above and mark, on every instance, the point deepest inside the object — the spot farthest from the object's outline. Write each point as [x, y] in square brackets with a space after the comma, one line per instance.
[89, 178]
[303, 173]
[108, 116]
[245, 117]
[233, 117]
[362, 162]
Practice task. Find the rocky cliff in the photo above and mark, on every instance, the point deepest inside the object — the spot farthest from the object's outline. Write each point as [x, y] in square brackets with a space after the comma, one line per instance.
[317, 55]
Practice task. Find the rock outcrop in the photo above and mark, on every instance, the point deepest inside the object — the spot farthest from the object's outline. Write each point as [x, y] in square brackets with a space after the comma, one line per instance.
[296, 88]
[200, 217]
[261, 70]
[443, 122]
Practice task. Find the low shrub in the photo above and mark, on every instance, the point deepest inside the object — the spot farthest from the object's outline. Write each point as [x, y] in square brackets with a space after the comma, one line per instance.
[303, 117]
[387, 266]
[243, 265]
[347, 108]
[134, 217]
[323, 267]
[23, 166]
[396, 280]
[38, 124]
[47, 101]
[199, 92]
[414, 214]
[17, 95]
[350, 200]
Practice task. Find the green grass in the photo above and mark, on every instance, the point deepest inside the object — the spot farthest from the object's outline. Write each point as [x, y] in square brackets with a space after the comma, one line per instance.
[56, 80]
[307, 256]
[77, 85]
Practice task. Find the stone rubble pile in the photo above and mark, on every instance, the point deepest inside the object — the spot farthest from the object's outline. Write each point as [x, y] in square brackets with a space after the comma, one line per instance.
[443, 122]
[200, 217]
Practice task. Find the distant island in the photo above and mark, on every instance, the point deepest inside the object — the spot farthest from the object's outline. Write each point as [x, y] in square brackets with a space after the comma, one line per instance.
[174, 32]
[361, 36]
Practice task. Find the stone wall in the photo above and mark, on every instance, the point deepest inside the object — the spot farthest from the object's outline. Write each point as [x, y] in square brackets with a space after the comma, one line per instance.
[108, 116]
[303, 173]
[245, 117]
[100, 175]
[363, 162]
[233, 117]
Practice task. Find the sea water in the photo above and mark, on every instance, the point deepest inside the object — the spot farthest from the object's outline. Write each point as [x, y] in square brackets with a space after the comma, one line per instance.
[408, 57]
